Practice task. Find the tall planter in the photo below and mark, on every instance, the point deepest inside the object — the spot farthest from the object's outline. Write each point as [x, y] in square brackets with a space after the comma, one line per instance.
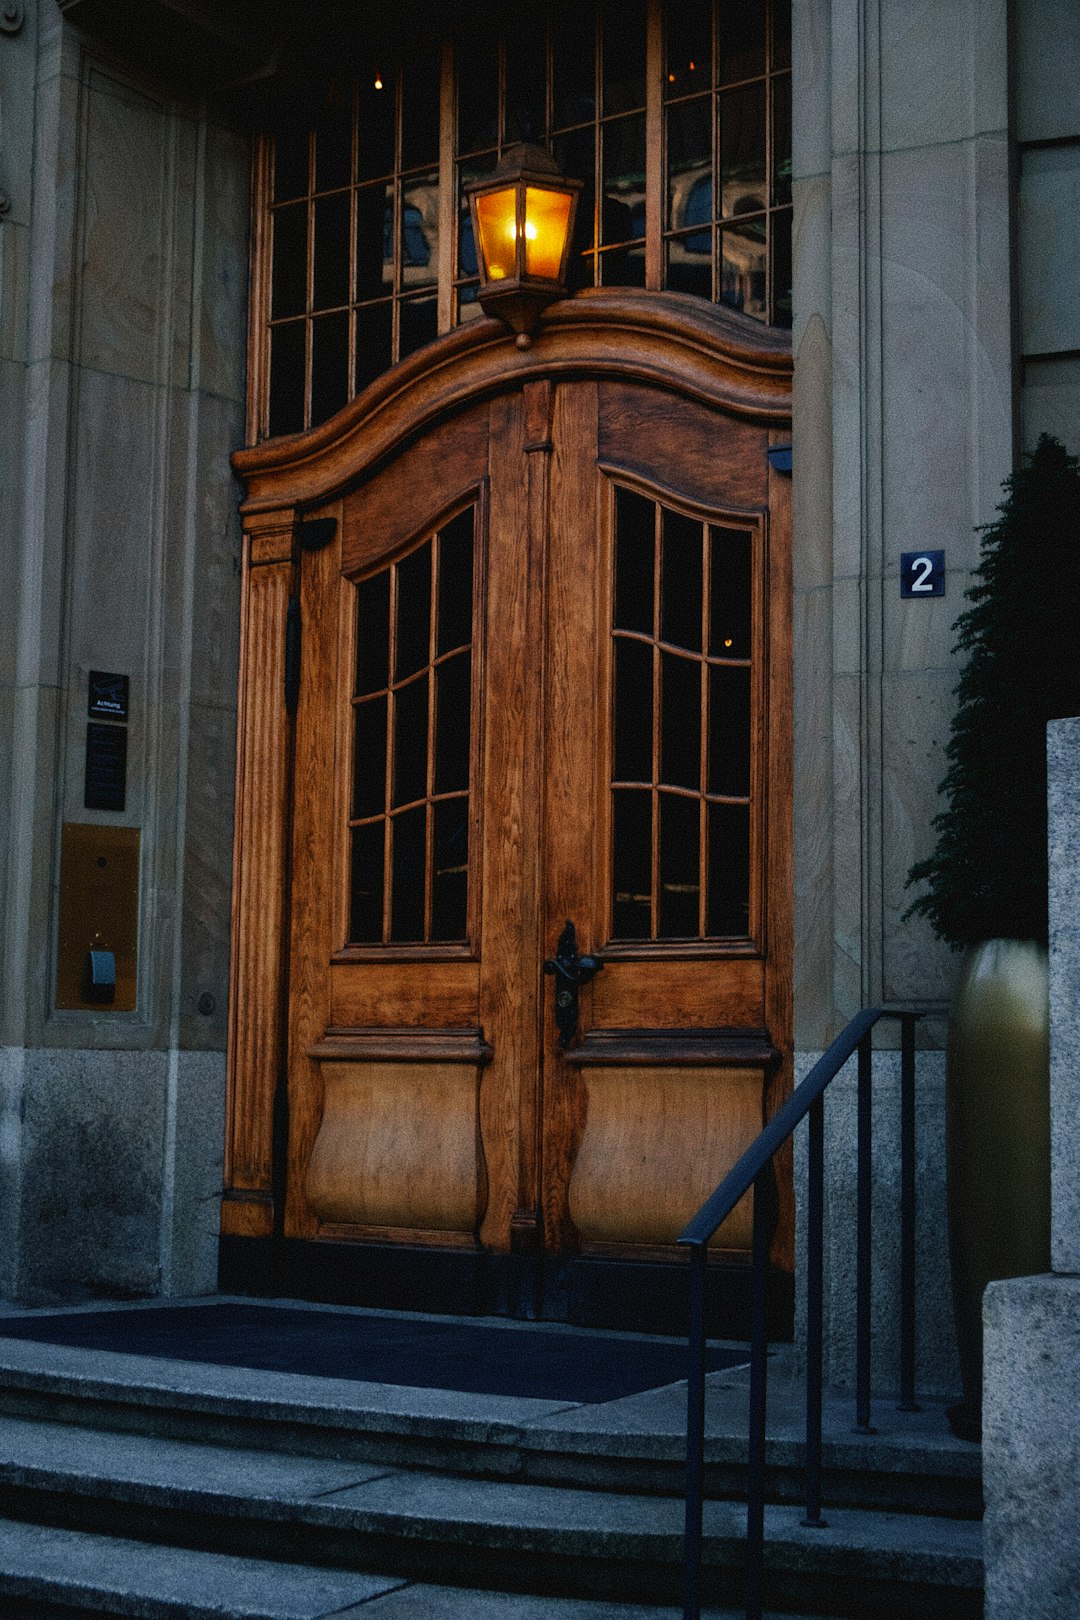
[998, 1138]
[986, 887]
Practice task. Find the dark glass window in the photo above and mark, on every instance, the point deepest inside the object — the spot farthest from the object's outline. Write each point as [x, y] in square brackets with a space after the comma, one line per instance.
[411, 745]
[364, 179]
[682, 777]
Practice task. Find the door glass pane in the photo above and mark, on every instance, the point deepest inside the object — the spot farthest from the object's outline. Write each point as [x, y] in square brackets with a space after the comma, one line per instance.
[409, 835]
[369, 758]
[452, 685]
[635, 523]
[729, 618]
[366, 910]
[373, 633]
[410, 741]
[425, 810]
[681, 582]
[729, 869]
[688, 744]
[413, 629]
[680, 721]
[455, 583]
[729, 730]
[632, 874]
[680, 867]
[450, 888]
[633, 711]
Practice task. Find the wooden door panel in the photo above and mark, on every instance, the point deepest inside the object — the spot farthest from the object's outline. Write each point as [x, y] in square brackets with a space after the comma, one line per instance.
[409, 496]
[708, 994]
[682, 447]
[370, 994]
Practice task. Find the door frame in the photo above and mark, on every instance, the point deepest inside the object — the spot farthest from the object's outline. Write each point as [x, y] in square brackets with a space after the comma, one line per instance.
[675, 343]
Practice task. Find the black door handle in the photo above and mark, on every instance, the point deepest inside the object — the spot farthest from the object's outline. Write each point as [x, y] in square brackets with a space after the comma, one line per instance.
[570, 971]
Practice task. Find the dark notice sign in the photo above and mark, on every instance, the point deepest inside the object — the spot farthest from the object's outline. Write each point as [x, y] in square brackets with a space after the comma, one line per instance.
[106, 767]
[922, 573]
[108, 697]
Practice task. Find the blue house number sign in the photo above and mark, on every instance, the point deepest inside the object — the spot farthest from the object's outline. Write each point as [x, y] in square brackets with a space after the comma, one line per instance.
[922, 573]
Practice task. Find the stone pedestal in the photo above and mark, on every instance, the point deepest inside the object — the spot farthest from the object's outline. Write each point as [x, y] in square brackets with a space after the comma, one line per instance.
[1031, 1381]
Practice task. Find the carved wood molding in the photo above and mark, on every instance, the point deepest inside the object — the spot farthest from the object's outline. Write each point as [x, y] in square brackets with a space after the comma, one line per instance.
[682, 1048]
[667, 340]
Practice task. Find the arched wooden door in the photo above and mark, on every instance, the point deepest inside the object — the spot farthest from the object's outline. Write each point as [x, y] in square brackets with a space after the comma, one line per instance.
[544, 680]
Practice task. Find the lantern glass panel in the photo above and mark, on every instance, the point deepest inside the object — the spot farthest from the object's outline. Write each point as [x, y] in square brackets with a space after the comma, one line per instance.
[547, 218]
[496, 214]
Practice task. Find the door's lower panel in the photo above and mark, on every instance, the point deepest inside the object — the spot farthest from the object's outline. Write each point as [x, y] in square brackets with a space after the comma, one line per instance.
[626, 1295]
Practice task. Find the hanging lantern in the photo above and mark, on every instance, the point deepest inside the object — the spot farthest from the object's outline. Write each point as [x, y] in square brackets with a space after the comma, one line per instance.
[523, 224]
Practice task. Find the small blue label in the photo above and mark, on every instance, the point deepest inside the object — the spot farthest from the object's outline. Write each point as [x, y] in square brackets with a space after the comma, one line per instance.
[922, 573]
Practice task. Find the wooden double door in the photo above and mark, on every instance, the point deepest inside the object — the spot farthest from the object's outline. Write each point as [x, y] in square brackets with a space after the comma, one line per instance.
[544, 681]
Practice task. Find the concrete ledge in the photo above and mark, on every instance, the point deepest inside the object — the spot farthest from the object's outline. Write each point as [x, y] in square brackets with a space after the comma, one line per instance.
[1031, 1448]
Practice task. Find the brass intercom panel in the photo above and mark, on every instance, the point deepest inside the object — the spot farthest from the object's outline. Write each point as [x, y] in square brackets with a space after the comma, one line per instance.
[99, 916]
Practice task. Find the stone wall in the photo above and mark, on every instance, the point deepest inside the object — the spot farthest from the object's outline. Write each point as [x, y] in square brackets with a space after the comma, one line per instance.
[903, 433]
[124, 264]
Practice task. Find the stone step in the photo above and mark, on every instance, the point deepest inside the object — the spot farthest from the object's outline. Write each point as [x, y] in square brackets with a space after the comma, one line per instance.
[46, 1573]
[632, 1445]
[493, 1533]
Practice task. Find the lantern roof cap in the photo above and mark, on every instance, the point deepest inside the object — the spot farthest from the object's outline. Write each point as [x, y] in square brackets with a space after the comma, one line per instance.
[526, 158]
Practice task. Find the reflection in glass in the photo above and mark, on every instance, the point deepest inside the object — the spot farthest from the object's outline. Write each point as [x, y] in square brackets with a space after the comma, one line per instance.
[743, 268]
[623, 212]
[742, 150]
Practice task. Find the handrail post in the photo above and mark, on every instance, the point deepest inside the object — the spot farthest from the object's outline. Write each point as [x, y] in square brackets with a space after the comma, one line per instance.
[815, 1251]
[864, 1193]
[907, 1401]
[695, 1438]
[755, 1480]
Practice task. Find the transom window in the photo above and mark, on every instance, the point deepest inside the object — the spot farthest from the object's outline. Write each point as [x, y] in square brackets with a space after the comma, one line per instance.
[676, 115]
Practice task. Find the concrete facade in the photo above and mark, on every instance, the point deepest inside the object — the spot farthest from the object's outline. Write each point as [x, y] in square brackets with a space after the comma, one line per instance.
[124, 272]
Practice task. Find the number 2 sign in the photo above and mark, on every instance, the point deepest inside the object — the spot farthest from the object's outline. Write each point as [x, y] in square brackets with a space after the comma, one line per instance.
[922, 573]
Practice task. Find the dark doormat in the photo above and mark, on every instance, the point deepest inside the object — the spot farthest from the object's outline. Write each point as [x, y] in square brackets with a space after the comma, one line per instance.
[482, 1358]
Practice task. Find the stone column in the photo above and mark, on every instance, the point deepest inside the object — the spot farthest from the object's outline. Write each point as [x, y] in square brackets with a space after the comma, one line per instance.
[1031, 1379]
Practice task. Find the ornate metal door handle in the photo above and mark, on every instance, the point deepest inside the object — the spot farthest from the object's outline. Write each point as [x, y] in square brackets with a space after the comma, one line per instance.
[570, 971]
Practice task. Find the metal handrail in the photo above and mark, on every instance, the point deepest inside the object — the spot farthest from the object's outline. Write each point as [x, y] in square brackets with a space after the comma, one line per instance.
[752, 1170]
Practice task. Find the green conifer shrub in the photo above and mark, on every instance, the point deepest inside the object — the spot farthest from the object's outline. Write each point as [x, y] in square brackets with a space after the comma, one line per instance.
[987, 877]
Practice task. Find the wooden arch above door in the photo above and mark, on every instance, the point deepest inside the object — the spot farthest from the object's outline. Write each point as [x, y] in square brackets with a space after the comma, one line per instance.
[391, 1084]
